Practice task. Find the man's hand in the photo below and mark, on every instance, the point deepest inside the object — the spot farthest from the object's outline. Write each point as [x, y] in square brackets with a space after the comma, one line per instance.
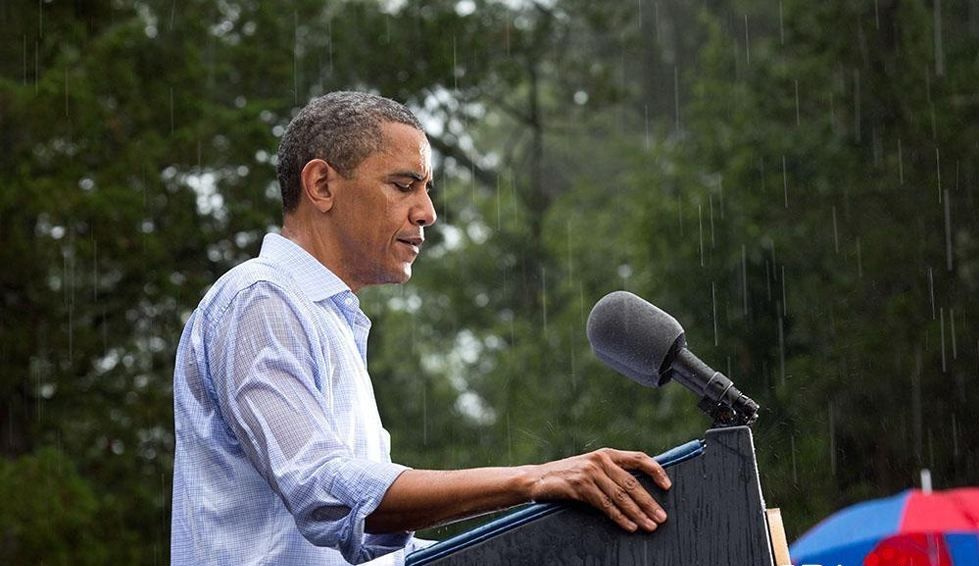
[423, 498]
[602, 479]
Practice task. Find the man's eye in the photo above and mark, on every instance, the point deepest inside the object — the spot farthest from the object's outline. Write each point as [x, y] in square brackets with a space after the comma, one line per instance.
[403, 187]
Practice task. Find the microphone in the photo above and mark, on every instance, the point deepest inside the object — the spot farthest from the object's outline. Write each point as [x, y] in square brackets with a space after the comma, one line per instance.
[647, 345]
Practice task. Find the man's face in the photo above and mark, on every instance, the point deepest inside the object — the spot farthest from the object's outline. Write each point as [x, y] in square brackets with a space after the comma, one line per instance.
[381, 211]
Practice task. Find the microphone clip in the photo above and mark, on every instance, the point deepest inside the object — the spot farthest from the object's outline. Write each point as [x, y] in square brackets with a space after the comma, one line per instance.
[723, 415]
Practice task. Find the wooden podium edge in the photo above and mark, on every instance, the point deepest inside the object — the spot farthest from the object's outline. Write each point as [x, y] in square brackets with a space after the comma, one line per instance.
[780, 547]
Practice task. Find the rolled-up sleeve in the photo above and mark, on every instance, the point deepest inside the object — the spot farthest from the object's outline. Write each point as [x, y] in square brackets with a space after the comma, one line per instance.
[267, 375]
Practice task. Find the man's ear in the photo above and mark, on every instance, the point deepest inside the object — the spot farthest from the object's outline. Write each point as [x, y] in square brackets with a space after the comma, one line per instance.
[319, 180]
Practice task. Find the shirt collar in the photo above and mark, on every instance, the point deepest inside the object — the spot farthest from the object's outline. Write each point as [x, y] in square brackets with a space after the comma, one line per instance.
[318, 282]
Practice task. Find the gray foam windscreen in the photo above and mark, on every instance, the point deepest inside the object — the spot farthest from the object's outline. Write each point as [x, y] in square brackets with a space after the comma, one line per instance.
[632, 336]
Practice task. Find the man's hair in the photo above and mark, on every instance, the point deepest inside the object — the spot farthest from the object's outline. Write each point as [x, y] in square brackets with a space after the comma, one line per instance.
[342, 128]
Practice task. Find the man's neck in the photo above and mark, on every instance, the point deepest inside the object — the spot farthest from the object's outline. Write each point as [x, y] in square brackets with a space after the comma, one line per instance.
[316, 243]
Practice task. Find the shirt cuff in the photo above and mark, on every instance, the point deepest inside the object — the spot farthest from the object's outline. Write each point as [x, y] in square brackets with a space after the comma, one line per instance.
[363, 484]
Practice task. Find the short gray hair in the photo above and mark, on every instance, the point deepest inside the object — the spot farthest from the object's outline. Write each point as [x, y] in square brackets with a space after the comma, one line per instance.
[341, 128]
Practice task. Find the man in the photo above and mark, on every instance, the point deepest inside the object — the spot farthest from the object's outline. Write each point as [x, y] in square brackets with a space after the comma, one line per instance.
[280, 453]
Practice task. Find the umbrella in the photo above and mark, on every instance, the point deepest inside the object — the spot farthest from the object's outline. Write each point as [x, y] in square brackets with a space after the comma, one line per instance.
[912, 528]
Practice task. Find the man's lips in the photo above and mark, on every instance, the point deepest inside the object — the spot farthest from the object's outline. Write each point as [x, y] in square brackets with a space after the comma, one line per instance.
[415, 243]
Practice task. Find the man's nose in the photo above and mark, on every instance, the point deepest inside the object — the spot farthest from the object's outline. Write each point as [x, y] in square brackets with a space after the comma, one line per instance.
[423, 213]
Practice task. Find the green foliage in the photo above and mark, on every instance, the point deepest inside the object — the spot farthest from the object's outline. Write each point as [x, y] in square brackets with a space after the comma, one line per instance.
[769, 173]
[50, 513]
[817, 167]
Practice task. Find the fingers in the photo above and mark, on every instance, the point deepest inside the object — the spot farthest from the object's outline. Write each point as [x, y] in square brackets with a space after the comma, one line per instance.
[602, 479]
[641, 461]
[623, 503]
[635, 500]
[607, 505]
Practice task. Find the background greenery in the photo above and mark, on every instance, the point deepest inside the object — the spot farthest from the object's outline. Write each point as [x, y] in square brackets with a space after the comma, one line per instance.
[795, 181]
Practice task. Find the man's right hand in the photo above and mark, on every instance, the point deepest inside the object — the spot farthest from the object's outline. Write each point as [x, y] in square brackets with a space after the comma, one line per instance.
[602, 479]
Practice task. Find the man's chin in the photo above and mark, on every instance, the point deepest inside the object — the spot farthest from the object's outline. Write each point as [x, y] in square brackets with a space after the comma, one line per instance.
[406, 273]
[400, 276]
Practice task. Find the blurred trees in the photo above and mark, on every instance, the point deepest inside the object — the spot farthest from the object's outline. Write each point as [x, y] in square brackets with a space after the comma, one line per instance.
[794, 182]
[836, 253]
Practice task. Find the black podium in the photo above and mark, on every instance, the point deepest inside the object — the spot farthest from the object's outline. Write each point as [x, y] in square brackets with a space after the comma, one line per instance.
[716, 518]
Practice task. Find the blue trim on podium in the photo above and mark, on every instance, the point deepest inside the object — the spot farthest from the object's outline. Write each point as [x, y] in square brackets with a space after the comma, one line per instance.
[530, 512]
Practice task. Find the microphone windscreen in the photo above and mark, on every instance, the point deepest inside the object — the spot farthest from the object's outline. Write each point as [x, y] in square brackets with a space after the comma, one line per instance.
[632, 336]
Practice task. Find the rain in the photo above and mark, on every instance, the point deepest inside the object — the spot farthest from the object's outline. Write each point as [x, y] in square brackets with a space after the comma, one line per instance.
[662, 147]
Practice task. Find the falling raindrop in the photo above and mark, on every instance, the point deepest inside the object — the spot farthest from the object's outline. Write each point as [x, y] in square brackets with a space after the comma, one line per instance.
[955, 437]
[941, 318]
[713, 305]
[948, 233]
[795, 472]
[744, 278]
[747, 42]
[798, 118]
[785, 304]
[700, 231]
[951, 319]
[646, 123]
[509, 440]
[570, 252]
[785, 182]
[781, 349]
[931, 291]
[676, 96]
[543, 291]
[832, 438]
[938, 173]
[939, 44]
[710, 204]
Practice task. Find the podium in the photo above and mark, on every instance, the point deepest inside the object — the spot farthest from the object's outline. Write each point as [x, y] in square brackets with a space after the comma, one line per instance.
[716, 517]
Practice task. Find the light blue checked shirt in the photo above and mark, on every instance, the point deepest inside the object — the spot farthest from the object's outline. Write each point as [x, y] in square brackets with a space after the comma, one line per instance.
[280, 452]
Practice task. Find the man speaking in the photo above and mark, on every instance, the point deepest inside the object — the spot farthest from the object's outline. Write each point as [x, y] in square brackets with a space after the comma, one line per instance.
[281, 457]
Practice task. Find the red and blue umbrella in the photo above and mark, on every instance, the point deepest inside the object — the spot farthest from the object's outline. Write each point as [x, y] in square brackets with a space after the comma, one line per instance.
[912, 528]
